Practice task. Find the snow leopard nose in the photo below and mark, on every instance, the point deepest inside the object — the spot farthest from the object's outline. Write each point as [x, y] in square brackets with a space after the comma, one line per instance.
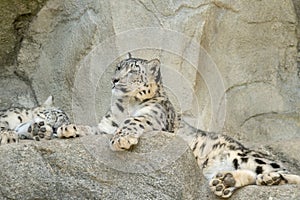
[115, 80]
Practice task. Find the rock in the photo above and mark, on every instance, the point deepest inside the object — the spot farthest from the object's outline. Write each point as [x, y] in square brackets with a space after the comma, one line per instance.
[285, 192]
[15, 19]
[86, 168]
[62, 33]
[160, 167]
[259, 77]
[19, 93]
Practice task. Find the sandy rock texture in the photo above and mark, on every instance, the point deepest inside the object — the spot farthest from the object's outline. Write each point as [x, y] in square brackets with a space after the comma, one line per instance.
[85, 168]
[15, 20]
[228, 66]
[74, 169]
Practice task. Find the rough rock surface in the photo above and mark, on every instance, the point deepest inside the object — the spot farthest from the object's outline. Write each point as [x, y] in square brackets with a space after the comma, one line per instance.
[85, 168]
[15, 19]
[75, 169]
[67, 49]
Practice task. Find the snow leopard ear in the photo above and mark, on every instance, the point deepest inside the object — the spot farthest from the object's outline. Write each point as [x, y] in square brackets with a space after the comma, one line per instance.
[49, 101]
[129, 55]
[154, 69]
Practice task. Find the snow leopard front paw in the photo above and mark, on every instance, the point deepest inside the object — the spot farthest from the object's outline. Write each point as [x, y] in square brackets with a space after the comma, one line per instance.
[123, 140]
[75, 130]
[7, 137]
[68, 131]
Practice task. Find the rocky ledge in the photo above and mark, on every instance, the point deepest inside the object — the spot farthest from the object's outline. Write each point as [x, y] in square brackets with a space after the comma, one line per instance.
[160, 167]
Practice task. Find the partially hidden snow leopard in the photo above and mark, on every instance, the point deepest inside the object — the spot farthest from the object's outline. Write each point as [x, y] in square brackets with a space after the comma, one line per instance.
[31, 123]
[140, 104]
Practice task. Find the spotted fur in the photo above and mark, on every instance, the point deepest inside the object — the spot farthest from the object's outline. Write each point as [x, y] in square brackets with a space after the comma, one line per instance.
[140, 104]
[73, 131]
[31, 123]
[7, 136]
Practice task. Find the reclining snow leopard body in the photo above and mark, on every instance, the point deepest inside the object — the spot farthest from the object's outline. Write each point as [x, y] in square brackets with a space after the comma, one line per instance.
[31, 123]
[139, 105]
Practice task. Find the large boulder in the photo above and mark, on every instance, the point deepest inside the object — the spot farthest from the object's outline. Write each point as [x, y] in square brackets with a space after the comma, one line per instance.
[15, 19]
[160, 167]
[87, 169]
